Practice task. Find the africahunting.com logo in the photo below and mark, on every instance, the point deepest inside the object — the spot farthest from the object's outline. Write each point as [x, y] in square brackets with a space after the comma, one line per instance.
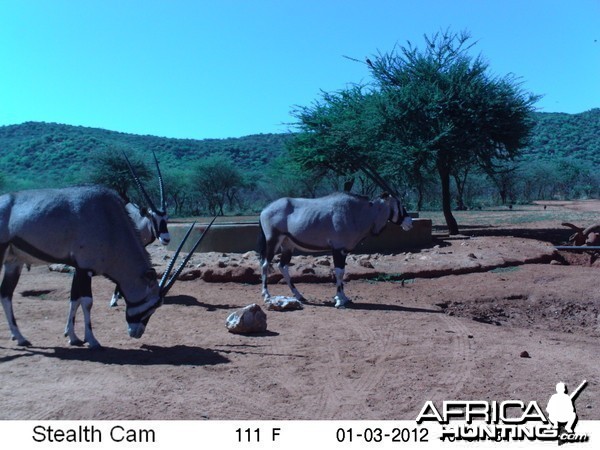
[510, 420]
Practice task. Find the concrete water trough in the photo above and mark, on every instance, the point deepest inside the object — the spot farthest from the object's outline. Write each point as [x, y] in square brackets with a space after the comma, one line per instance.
[232, 237]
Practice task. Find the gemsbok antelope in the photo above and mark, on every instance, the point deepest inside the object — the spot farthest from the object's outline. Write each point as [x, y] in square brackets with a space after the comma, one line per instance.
[336, 223]
[87, 228]
[151, 222]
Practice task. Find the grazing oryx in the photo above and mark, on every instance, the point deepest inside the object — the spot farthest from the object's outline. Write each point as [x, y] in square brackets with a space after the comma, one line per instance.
[89, 229]
[337, 222]
[151, 222]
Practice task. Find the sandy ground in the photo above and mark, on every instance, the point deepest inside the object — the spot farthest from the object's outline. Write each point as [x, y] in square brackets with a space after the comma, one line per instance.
[496, 315]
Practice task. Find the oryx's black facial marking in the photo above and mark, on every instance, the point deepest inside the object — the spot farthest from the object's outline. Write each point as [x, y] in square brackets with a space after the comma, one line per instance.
[141, 311]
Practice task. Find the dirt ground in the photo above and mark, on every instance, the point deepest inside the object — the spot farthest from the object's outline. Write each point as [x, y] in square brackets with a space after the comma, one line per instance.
[495, 314]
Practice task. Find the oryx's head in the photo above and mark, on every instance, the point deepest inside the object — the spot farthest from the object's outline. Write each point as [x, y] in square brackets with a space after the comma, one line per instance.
[398, 213]
[139, 309]
[154, 292]
[159, 220]
[158, 217]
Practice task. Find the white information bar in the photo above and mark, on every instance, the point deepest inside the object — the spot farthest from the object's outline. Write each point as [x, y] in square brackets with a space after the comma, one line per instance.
[305, 435]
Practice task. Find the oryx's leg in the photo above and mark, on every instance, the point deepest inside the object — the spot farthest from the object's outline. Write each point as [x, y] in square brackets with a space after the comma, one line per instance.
[271, 244]
[264, 274]
[70, 327]
[286, 257]
[339, 262]
[81, 294]
[264, 267]
[12, 272]
[115, 298]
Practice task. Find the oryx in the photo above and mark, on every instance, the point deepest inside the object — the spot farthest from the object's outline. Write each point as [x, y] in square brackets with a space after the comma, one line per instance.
[336, 223]
[87, 228]
[150, 221]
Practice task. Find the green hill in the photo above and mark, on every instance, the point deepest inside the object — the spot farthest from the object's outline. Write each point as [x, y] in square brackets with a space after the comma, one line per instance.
[49, 154]
[36, 154]
[560, 135]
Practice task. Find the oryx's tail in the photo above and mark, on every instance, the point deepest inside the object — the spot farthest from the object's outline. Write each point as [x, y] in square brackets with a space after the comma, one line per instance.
[262, 244]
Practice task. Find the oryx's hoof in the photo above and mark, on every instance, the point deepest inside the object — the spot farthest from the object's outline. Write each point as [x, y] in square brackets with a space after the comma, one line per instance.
[92, 343]
[22, 342]
[96, 347]
[341, 302]
[76, 342]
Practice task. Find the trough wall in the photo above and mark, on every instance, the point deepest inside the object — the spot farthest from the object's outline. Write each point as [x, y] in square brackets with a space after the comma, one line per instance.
[243, 237]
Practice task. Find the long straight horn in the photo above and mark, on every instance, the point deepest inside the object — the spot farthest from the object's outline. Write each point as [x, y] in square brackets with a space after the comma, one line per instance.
[373, 176]
[378, 179]
[161, 185]
[165, 285]
[139, 185]
[172, 262]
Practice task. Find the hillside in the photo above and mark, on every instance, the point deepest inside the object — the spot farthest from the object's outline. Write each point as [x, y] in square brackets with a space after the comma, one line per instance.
[37, 153]
[52, 153]
[566, 136]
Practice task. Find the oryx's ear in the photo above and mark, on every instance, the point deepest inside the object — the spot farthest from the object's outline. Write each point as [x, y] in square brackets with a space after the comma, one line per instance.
[385, 195]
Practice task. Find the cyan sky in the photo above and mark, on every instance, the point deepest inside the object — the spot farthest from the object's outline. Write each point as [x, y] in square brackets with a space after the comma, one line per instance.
[214, 69]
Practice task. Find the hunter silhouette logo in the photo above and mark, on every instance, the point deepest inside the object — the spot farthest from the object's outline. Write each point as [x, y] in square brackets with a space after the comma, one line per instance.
[561, 407]
[508, 420]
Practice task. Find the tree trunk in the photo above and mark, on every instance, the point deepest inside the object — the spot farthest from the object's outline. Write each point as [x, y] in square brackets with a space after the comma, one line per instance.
[419, 197]
[420, 191]
[460, 183]
[446, 199]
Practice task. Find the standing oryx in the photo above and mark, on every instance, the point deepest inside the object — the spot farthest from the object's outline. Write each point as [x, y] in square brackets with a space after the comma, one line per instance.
[336, 223]
[89, 229]
[151, 222]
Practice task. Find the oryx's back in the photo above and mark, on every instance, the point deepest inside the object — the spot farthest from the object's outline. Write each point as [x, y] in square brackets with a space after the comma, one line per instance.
[70, 225]
[321, 223]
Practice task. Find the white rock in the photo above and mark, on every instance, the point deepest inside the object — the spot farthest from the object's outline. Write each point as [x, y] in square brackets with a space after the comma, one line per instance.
[282, 303]
[251, 319]
[62, 268]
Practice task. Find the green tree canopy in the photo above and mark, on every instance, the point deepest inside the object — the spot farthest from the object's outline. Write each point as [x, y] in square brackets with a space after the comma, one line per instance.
[218, 181]
[432, 110]
[443, 104]
[110, 169]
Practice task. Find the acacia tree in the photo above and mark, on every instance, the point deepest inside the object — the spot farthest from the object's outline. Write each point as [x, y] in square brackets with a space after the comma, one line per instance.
[436, 110]
[179, 193]
[341, 133]
[110, 169]
[444, 105]
[218, 182]
[284, 177]
[337, 132]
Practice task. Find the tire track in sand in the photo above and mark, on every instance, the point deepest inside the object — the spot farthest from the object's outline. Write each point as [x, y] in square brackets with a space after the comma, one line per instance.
[354, 373]
[355, 376]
